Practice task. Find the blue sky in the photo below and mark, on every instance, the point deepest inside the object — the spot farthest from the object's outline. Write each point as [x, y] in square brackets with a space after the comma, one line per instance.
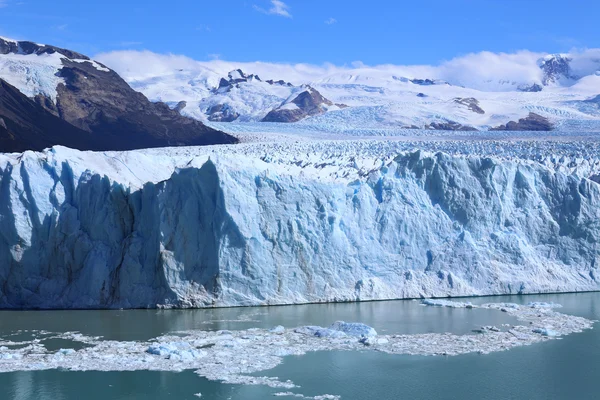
[310, 31]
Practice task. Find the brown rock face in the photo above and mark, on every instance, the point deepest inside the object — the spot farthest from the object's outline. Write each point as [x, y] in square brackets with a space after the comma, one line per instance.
[98, 110]
[449, 126]
[27, 125]
[222, 113]
[471, 103]
[533, 122]
[308, 103]
[103, 103]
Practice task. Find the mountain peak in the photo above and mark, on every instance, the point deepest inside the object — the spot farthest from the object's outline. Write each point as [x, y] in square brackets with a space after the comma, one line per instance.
[555, 68]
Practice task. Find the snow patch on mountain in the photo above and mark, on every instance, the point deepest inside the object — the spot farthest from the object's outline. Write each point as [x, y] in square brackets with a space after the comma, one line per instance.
[32, 74]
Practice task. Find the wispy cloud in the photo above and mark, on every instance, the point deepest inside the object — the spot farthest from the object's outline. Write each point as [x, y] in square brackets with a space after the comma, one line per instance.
[480, 71]
[278, 7]
[3, 3]
[330, 21]
[62, 27]
[203, 28]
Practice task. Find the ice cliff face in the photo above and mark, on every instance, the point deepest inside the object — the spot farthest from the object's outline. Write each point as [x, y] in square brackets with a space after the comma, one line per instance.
[80, 230]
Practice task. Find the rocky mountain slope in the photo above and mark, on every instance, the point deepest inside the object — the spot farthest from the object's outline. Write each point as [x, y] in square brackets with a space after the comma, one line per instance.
[88, 97]
[27, 125]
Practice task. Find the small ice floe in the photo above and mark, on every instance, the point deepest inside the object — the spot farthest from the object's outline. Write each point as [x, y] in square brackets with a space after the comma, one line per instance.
[319, 331]
[301, 396]
[338, 329]
[543, 304]
[66, 352]
[353, 328]
[176, 351]
[487, 328]
[278, 329]
[446, 303]
[10, 356]
[546, 332]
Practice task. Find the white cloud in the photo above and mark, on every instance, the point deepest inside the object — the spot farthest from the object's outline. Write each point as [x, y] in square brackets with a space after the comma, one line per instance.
[330, 21]
[278, 7]
[3, 3]
[484, 70]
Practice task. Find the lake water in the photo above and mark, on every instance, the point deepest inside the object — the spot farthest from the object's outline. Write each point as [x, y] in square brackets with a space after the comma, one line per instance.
[560, 369]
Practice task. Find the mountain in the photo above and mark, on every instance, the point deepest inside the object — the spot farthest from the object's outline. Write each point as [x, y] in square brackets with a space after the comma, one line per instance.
[355, 100]
[27, 125]
[556, 67]
[306, 104]
[92, 98]
[533, 122]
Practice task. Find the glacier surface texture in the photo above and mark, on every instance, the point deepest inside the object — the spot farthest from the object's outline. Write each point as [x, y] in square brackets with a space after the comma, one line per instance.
[136, 230]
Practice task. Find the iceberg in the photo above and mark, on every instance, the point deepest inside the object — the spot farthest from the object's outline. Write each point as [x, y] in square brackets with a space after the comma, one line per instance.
[248, 225]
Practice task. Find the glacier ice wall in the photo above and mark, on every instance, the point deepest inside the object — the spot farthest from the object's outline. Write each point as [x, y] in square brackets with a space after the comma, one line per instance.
[78, 232]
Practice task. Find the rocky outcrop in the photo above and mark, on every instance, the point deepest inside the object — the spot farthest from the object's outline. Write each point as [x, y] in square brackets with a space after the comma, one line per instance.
[533, 122]
[307, 104]
[530, 88]
[222, 113]
[449, 126]
[29, 48]
[180, 106]
[99, 101]
[28, 125]
[555, 67]
[280, 82]
[471, 103]
[235, 77]
[428, 82]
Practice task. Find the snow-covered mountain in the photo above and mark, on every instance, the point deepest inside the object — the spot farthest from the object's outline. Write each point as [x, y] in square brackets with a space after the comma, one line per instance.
[248, 225]
[553, 87]
[103, 111]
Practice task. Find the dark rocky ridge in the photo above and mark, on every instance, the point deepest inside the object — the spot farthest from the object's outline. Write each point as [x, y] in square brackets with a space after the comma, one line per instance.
[471, 103]
[449, 126]
[533, 122]
[25, 47]
[26, 125]
[238, 76]
[103, 103]
[99, 109]
[428, 82]
[222, 113]
[530, 88]
[555, 67]
[309, 103]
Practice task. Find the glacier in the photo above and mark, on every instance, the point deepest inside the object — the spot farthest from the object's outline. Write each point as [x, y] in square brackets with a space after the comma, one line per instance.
[246, 225]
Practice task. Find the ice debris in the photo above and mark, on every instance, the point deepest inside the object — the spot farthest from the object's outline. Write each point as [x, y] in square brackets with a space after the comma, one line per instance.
[232, 356]
[446, 303]
[542, 304]
[546, 332]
